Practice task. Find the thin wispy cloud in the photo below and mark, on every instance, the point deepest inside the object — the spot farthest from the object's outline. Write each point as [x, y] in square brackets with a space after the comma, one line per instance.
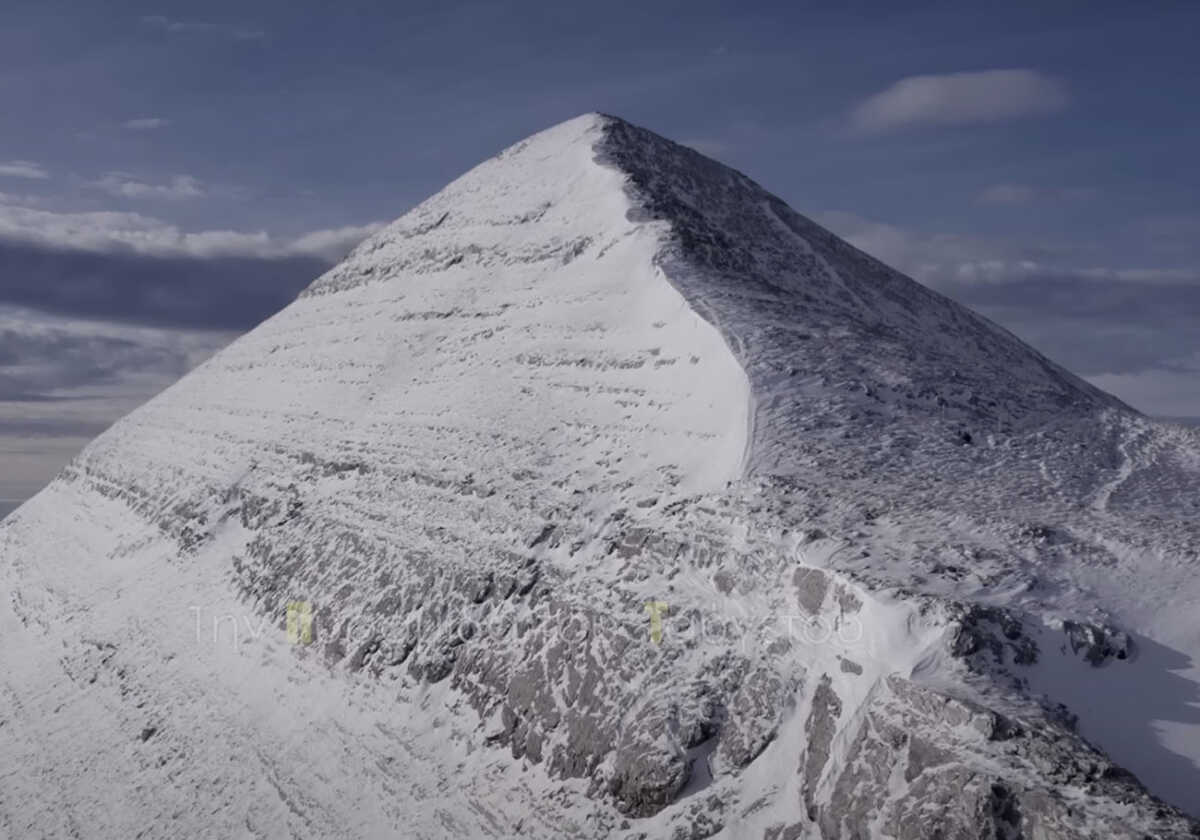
[23, 169]
[959, 99]
[1170, 388]
[137, 269]
[1129, 330]
[949, 258]
[146, 123]
[122, 232]
[15, 200]
[1008, 194]
[1023, 194]
[63, 380]
[176, 26]
[46, 356]
[124, 185]
[707, 146]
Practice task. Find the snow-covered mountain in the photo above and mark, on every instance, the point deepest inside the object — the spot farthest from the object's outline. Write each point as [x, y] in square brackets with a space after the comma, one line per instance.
[603, 495]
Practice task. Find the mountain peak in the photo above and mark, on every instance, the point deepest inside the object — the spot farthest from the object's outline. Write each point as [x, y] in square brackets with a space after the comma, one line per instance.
[823, 331]
[600, 487]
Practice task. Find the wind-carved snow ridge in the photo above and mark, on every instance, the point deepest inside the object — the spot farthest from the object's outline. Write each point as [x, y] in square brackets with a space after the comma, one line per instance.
[603, 495]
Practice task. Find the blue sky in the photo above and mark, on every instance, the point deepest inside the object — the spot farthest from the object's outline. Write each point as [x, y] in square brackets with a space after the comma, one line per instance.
[171, 173]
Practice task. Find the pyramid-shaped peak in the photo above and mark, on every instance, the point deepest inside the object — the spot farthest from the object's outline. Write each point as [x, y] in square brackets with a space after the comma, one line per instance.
[823, 331]
[598, 373]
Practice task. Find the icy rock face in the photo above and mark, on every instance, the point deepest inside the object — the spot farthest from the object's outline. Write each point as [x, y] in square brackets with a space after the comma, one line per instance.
[602, 494]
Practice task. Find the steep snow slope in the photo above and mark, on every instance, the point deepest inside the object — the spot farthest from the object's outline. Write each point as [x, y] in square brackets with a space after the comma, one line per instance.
[907, 571]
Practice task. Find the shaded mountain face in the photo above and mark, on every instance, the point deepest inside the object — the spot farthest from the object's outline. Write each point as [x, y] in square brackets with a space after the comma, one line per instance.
[793, 300]
[604, 495]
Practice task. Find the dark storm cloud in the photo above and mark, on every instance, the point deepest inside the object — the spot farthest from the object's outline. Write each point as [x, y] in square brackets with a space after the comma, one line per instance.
[225, 293]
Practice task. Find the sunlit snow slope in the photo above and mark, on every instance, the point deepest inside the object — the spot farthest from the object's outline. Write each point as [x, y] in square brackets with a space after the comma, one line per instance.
[604, 495]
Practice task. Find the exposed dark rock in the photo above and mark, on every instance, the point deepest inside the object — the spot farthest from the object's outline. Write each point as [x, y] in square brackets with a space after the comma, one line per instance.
[1098, 644]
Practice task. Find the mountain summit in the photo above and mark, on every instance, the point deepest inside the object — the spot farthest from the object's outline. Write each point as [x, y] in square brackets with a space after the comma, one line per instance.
[604, 495]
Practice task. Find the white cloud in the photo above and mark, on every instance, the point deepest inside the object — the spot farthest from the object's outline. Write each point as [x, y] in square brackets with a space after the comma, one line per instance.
[335, 243]
[147, 123]
[927, 257]
[23, 169]
[124, 185]
[959, 99]
[112, 231]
